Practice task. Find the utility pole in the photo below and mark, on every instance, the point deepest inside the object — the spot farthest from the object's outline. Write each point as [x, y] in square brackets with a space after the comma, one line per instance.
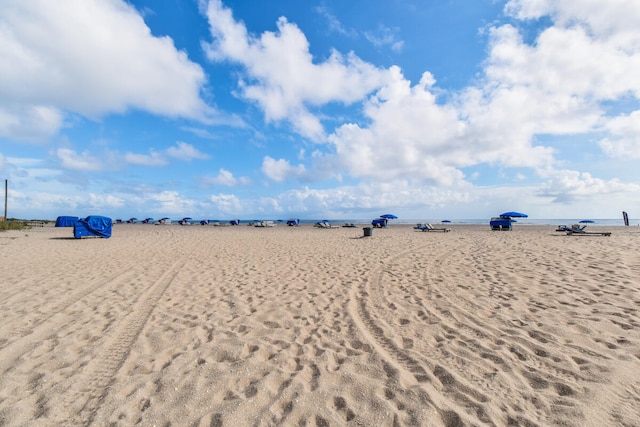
[6, 187]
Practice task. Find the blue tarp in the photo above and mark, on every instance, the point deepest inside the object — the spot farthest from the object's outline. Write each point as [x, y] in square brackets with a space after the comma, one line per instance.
[501, 223]
[92, 226]
[66, 221]
[379, 223]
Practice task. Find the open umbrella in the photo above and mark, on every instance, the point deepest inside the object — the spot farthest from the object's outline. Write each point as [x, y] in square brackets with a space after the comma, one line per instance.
[587, 221]
[445, 220]
[388, 216]
[513, 215]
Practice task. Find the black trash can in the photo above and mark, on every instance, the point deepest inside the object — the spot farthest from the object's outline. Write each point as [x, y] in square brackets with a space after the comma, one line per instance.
[368, 231]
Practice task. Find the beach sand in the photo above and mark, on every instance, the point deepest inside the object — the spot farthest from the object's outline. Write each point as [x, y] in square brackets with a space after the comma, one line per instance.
[167, 325]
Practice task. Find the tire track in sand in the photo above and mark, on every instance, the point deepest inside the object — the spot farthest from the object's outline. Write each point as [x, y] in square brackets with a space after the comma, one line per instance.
[373, 307]
[84, 397]
[20, 334]
[366, 298]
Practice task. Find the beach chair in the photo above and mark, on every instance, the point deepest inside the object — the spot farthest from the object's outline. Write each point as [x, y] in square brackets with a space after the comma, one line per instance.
[578, 230]
[324, 224]
[429, 227]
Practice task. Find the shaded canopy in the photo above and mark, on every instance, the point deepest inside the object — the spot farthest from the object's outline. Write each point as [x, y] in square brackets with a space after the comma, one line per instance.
[513, 214]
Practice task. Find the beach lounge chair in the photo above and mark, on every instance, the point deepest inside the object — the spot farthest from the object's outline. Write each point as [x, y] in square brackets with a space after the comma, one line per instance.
[578, 230]
[429, 227]
[324, 224]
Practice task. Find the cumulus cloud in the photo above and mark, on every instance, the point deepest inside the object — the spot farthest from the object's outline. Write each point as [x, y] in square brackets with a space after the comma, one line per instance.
[88, 57]
[29, 122]
[617, 18]
[182, 151]
[98, 202]
[151, 159]
[280, 74]
[171, 202]
[567, 186]
[226, 204]
[112, 160]
[280, 170]
[554, 86]
[225, 178]
[85, 161]
[186, 152]
[624, 140]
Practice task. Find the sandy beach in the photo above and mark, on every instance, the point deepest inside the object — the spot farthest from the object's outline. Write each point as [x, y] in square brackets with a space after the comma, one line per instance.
[167, 325]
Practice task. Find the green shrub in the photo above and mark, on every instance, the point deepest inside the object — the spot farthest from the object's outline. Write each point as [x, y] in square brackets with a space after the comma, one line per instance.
[12, 225]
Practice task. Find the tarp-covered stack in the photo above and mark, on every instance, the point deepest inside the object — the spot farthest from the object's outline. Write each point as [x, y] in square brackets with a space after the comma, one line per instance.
[93, 226]
[66, 221]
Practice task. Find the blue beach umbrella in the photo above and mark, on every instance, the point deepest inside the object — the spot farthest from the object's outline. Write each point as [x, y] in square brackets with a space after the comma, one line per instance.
[587, 221]
[513, 215]
[388, 216]
[445, 220]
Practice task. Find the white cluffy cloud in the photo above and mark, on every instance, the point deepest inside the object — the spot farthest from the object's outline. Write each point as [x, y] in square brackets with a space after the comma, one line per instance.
[85, 161]
[109, 160]
[87, 57]
[554, 86]
[225, 178]
[624, 141]
[569, 186]
[280, 74]
[186, 152]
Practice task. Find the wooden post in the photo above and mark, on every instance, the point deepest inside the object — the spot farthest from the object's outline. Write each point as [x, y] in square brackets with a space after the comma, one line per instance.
[6, 187]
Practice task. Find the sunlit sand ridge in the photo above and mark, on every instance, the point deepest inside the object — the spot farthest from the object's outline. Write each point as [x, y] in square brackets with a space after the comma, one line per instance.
[231, 326]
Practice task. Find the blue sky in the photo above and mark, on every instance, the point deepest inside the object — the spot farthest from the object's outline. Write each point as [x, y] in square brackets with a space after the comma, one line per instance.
[320, 109]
